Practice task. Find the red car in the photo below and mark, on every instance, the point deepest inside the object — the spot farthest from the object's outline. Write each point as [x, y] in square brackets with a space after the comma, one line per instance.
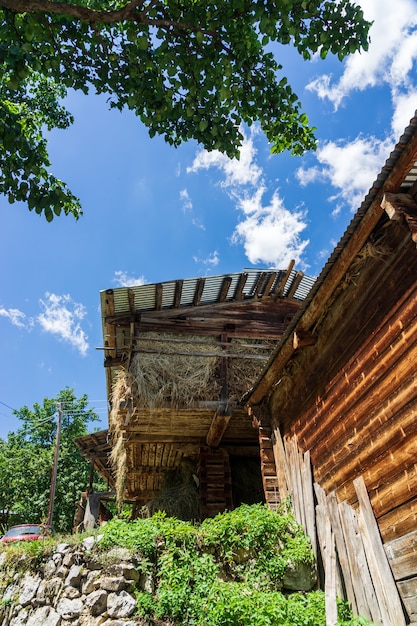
[26, 532]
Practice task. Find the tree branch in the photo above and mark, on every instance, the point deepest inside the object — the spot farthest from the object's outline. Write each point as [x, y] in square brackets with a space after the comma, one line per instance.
[128, 12]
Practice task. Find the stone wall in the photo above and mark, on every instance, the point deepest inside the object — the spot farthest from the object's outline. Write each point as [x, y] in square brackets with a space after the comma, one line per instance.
[72, 589]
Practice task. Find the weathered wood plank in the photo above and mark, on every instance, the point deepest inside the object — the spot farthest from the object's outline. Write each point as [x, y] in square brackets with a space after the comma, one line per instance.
[385, 424]
[280, 463]
[383, 469]
[408, 591]
[384, 584]
[330, 569]
[364, 590]
[309, 507]
[401, 206]
[397, 327]
[400, 521]
[402, 555]
[333, 509]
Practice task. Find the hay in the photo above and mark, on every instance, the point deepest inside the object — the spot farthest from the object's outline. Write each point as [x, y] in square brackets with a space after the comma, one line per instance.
[175, 380]
[120, 393]
[179, 497]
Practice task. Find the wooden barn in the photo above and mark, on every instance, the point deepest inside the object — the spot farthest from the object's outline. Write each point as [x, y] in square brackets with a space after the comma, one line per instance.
[179, 356]
[336, 405]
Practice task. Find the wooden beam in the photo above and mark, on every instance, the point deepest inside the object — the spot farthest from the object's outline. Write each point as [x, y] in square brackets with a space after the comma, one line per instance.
[401, 206]
[303, 338]
[131, 298]
[294, 285]
[158, 296]
[239, 295]
[198, 291]
[270, 281]
[227, 280]
[382, 577]
[218, 426]
[259, 284]
[178, 293]
[280, 286]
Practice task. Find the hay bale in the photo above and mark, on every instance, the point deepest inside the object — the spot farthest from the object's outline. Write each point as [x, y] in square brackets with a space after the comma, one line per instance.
[179, 497]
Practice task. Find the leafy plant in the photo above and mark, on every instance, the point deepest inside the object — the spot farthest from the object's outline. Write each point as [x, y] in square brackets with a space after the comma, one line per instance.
[227, 571]
[188, 70]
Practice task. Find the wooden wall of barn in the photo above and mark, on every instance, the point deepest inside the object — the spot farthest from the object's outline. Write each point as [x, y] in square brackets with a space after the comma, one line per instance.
[364, 425]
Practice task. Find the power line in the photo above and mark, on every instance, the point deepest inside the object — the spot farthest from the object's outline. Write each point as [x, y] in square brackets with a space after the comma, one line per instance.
[7, 406]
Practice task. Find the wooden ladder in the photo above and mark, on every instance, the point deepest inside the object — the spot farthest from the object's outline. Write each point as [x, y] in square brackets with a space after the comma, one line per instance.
[268, 468]
[215, 482]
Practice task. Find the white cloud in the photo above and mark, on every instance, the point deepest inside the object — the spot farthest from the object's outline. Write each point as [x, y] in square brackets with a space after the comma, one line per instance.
[122, 279]
[269, 233]
[61, 317]
[212, 260]
[16, 317]
[187, 204]
[391, 55]
[243, 171]
[350, 167]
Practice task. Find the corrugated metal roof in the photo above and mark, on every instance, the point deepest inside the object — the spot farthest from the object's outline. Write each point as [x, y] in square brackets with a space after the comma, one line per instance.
[145, 296]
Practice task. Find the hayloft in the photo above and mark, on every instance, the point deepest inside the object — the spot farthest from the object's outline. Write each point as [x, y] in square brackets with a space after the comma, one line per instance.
[179, 356]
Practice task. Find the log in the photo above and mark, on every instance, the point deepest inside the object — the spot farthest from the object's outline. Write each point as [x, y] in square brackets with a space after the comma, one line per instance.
[380, 352]
[402, 555]
[400, 521]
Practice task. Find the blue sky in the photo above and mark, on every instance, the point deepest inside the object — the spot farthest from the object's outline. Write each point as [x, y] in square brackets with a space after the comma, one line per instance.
[155, 213]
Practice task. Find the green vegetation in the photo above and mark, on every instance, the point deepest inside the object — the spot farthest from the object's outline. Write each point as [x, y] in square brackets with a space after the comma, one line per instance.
[26, 460]
[187, 69]
[228, 571]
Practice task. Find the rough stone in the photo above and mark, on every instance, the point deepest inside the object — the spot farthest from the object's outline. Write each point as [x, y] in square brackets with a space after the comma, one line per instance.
[71, 593]
[21, 618]
[73, 578]
[63, 548]
[88, 543]
[91, 582]
[119, 554]
[50, 568]
[299, 577]
[44, 616]
[125, 570]
[48, 591]
[120, 605]
[96, 602]
[113, 583]
[28, 589]
[69, 609]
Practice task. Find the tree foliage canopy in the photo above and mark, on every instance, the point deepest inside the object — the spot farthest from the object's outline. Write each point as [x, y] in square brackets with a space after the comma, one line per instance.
[26, 461]
[189, 69]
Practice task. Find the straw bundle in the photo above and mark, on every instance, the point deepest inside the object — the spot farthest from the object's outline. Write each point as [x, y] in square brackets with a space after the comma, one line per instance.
[181, 374]
[179, 497]
[121, 391]
[172, 379]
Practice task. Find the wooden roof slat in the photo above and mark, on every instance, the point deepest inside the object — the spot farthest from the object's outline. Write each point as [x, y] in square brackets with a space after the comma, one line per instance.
[270, 281]
[224, 288]
[158, 296]
[259, 284]
[239, 295]
[294, 285]
[198, 291]
[280, 286]
[178, 292]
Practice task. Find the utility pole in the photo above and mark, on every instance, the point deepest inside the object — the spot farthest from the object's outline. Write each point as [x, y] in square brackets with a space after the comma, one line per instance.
[55, 466]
